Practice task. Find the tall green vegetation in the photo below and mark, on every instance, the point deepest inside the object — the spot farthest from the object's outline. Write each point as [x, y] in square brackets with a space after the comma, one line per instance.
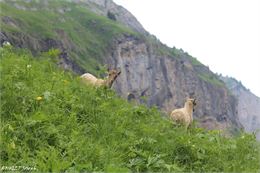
[51, 121]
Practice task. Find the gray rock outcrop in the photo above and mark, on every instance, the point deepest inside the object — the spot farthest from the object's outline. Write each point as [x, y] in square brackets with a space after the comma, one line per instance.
[248, 106]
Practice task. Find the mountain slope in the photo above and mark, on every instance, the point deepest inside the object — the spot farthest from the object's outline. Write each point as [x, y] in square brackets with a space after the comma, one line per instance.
[82, 35]
[90, 33]
[248, 106]
[51, 122]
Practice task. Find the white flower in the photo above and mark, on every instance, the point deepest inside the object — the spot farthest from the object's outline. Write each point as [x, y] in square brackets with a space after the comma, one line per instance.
[47, 95]
[6, 43]
[29, 66]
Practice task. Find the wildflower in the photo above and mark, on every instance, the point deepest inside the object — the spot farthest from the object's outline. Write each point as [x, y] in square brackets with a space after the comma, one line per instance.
[47, 95]
[39, 98]
[29, 66]
[65, 82]
[6, 43]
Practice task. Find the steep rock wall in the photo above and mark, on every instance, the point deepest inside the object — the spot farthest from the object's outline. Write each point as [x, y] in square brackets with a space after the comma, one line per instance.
[248, 106]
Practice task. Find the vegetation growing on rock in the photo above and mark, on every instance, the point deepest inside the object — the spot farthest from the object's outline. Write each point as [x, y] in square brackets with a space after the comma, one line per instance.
[70, 27]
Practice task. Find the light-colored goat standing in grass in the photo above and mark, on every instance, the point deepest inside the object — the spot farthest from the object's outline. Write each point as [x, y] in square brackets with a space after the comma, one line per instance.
[184, 115]
[94, 81]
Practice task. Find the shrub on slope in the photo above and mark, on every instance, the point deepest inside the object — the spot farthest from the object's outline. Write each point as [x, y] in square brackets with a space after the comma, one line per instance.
[51, 121]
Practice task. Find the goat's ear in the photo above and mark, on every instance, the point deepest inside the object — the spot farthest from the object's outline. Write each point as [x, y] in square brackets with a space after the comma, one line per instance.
[194, 102]
[118, 71]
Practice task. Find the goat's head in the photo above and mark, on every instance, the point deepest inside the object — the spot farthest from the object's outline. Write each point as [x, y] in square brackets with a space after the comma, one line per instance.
[191, 102]
[114, 73]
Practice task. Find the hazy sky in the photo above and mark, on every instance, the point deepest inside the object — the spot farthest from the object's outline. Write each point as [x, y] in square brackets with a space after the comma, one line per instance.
[223, 34]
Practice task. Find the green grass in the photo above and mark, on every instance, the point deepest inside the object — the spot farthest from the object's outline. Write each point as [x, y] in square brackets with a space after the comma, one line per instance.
[53, 122]
[211, 79]
[195, 62]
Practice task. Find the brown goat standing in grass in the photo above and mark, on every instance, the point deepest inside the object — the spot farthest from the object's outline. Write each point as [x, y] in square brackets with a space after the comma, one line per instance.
[107, 82]
[184, 115]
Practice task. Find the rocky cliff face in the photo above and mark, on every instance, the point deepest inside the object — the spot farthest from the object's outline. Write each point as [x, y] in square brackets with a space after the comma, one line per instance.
[248, 106]
[152, 73]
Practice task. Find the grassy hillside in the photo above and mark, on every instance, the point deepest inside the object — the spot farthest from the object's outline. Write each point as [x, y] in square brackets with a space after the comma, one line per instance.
[85, 35]
[51, 121]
